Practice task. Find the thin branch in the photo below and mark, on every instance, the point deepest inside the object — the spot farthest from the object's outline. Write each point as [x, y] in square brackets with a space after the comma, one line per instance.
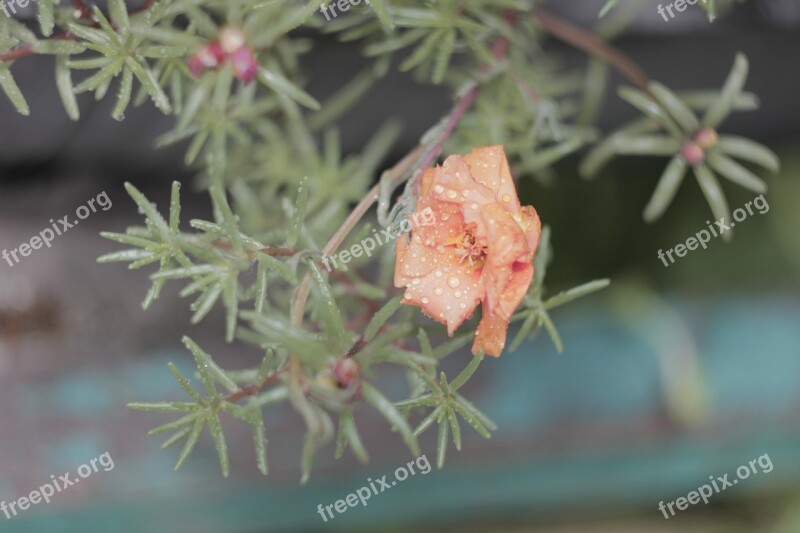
[254, 389]
[593, 45]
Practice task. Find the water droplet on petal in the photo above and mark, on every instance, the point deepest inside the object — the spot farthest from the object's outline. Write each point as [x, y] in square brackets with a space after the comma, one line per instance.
[451, 193]
[453, 282]
[438, 189]
[425, 300]
[506, 198]
[438, 291]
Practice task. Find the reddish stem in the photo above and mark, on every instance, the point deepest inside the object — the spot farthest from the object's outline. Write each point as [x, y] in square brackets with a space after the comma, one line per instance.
[253, 390]
[593, 45]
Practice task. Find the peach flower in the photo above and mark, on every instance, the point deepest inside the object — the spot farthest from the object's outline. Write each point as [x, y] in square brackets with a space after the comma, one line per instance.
[480, 250]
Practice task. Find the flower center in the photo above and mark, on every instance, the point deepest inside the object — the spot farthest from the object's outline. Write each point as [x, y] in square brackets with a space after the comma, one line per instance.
[468, 250]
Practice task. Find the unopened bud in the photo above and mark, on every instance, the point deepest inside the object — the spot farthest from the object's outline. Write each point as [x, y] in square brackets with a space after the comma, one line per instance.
[231, 39]
[706, 138]
[209, 56]
[693, 154]
[346, 372]
[245, 65]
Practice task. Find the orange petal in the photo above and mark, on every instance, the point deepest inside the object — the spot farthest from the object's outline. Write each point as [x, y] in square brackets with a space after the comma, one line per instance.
[425, 182]
[489, 166]
[454, 183]
[448, 222]
[491, 335]
[493, 327]
[532, 226]
[446, 290]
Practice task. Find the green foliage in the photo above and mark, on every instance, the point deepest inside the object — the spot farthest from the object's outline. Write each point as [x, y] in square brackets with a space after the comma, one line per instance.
[672, 123]
[205, 412]
[269, 155]
[444, 402]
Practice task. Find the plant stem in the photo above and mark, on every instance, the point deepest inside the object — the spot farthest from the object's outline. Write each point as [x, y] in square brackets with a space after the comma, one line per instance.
[592, 44]
[304, 289]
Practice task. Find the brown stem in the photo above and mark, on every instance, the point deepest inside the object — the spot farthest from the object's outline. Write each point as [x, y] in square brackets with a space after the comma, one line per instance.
[593, 45]
[253, 389]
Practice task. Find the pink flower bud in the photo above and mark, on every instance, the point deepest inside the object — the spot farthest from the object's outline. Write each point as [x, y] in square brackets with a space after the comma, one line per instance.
[693, 154]
[346, 372]
[245, 66]
[209, 56]
[706, 138]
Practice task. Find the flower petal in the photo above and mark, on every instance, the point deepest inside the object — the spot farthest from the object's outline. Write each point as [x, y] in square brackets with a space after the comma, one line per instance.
[489, 166]
[446, 290]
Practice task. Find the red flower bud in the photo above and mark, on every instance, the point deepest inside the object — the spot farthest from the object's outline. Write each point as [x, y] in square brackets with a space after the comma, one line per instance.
[245, 65]
[346, 372]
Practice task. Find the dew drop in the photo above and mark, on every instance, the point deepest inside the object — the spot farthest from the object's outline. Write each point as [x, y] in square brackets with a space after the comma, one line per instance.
[445, 216]
[506, 198]
[425, 300]
[451, 193]
[415, 281]
[438, 291]
[453, 282]
[438, 189]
